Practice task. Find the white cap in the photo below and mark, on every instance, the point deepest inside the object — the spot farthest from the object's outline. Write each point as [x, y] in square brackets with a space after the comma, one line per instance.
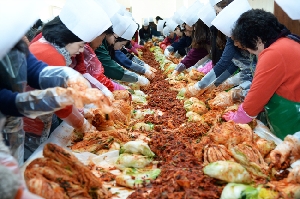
[178, 14]
[226, 19]
[190, 16]
[120, 24]
[207, 14]
[111, 7]
[151, 19]
[121, 10]
[146, 22]
[290, 7]
[166, 31]
[127, 14]
[160, 25]
[82, 18]
[16, 18]
[171, 24]
[128, 34]
[214, 2]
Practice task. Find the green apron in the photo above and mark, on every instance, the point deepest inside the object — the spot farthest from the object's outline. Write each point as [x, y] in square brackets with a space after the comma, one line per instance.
[283, 116]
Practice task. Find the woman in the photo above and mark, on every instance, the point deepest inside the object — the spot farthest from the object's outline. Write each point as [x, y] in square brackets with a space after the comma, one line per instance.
[276, 84]
[170, 39]
[145, 32]
[200, 47]
[232, 59]
[124, 61]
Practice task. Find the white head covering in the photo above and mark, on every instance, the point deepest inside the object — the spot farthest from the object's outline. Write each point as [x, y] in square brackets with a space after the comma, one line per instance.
[127, 14]
[151, 19]
[190, 16]
[146, 22]
[128, 34]
[16, 21]
[166, 31]
[120, 24]
[214, 2]
[121, 10]
[178, 14]
[207, 14]
[160, 25]
[84, 18]
[290, 7]
[111, 7]
[226, 19]
[171, 24]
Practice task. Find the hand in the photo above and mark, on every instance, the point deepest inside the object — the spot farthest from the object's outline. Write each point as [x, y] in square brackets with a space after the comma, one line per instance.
[143, 81]
[240, 116]
[223, 99]
[167, 52]
[149, 74]
[108, 93]
[174, 73]
[192, 91]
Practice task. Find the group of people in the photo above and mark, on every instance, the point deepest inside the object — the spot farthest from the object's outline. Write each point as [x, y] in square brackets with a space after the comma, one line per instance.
[241, 48]
[89, 44]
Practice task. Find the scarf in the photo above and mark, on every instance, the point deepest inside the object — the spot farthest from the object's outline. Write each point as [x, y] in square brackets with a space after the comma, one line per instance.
[64, 52]
[284, 33]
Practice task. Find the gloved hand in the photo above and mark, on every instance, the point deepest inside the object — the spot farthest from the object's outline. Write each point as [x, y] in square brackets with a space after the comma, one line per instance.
[240, 116]
[167, 52]
[230, 82]
[40, 102]
[205, 69]
[193, 91]
[143, 81]
[108, 93]
[55, 76]
[149, 74]
[174, 73]
[180, 67]
[118, 86]
[225, 99]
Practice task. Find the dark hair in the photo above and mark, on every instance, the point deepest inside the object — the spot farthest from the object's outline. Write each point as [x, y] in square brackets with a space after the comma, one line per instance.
[109, 31]
[56, 32]
[158, 18]
[217, 43]
[222, 4]
[153, 25]
[255, 24]
[37, 24]
[201, 36]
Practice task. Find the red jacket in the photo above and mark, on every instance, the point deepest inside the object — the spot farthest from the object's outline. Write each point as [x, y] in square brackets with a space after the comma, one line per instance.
[167, 41]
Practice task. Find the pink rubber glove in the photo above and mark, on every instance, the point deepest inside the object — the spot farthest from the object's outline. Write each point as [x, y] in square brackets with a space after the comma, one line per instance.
[117, 86]
[240, 116]
[133, 50]
[136, 45]
[205, 69]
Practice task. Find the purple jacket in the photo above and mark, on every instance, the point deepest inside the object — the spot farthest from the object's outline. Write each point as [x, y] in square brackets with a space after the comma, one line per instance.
[194, 56]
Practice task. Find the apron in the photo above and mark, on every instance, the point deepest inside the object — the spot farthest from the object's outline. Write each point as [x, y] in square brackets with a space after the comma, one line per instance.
[13, 76]
[283, 116]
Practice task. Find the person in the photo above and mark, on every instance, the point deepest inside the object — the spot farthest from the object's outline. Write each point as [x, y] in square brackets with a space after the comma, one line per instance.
[157, 18]
[145, 32]
[275, 86]
[61, 41]
[33, 31]
[122, 59]
[232, 59]
[153, 28]
[170, 35]
[200, 47]
[106, 51]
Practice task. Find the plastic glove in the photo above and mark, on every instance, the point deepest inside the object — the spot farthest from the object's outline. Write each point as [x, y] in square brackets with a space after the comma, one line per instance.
[118, 86]
[205, 69]
[54, 76]
[143, 81]
[40, 102]
[193, 91]
[240, 116]
[167, 52]
[108, 93]
[230, 82]
[149, 74]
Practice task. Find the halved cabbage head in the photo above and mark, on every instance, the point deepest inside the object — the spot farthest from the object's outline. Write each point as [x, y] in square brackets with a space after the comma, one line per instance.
[137, 147]
[126, 160]
[228, 171]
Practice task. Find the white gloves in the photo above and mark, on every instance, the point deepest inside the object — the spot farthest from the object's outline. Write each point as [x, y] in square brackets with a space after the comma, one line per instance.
[146, 66]
[167, 52]
[193, 91]
[149, 74]
[143, 81]
[108, 93]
